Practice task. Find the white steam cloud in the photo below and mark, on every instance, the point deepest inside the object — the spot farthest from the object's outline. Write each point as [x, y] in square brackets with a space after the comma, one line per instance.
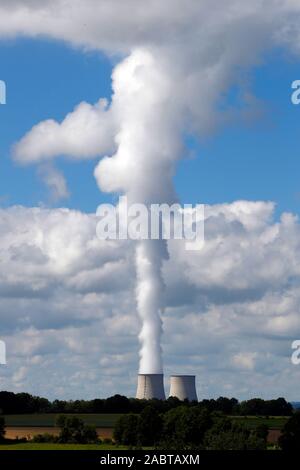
[142, 168]
[182, 57]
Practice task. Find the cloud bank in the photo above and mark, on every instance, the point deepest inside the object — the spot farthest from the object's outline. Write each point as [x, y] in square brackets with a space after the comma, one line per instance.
[231, 309]
[183, 61]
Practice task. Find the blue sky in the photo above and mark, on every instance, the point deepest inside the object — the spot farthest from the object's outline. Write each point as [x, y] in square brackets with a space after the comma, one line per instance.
[258, 161]
[254, 161]
[46, 80]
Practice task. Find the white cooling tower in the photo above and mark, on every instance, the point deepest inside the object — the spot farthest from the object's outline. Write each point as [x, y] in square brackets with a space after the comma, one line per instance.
[183, 387]
[150, 386]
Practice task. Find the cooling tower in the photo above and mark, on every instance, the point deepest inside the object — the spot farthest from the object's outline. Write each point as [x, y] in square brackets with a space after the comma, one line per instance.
[183, 387]
[150, 386]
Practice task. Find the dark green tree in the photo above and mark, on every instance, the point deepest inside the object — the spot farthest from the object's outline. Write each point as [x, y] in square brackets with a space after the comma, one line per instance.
[74, 430]
[290, 437]
[186, 425]
[149, 426]
[227, 435]
[117, 404]
[126, 430]
[2, 428]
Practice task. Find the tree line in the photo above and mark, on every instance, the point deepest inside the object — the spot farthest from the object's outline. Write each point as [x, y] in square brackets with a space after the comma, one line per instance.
[197, 428]
[22, 403]
[187, 428]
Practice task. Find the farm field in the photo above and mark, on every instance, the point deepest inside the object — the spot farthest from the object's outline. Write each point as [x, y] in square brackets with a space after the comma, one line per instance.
[109, 420]
[28, 432]
[48, 420]
[29, 425]
[37, 446]
[273, 422]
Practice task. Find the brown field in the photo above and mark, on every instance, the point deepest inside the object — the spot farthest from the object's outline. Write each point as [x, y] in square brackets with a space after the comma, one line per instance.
[273, 436]
[12, 432]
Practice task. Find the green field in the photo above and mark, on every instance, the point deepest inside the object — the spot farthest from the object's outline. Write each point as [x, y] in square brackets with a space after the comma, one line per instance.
[109, 420]
[98, 420]
[37, 446]
[273, 422]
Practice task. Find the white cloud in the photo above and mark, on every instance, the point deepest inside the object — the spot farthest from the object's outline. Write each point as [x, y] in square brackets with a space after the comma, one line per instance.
[75, 292]
[200, 50]
[84, 133]
[244, 360]
[68, 305]
[55, 181]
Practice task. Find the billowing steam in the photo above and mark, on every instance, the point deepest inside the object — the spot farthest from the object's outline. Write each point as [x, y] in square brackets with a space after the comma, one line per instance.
[149, 301]
[142, 168]
[182, 58]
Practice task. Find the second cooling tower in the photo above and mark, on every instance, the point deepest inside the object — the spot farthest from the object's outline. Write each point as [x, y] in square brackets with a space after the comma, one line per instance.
[183, 387]
[150, 386]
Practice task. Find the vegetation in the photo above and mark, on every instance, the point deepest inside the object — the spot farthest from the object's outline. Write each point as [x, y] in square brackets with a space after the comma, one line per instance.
[225, 434]
[56, 446]
[125, 430]
[271, 422]
[24, 403]
[186, 428]
[221, 424]
[109, 420]
[290, 438]
[49, 419]
[260, 407]
[72, 431]
[2, 428]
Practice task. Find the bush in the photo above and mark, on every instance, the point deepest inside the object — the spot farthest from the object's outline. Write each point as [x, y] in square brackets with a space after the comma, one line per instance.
[73, 430]
[186, 425]
[46, 437]
[227, 435]
[125, 431]
[149, 426]
[234, 440]
[143, 430]
[2, 428]
[290, 437]
[107, 440]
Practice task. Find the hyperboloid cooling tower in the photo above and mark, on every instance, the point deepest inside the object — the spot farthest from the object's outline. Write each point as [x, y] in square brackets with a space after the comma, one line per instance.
[183, 387]
[150, 386]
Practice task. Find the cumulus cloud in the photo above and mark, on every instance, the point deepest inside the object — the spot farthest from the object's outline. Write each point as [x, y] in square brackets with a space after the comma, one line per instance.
[67, 304]
[112, 26]
[203, 49]
[162, 91]
[84, 133]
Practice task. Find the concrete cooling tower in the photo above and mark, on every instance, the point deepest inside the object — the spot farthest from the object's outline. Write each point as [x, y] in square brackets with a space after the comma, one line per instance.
[150, 386]
[183, 387]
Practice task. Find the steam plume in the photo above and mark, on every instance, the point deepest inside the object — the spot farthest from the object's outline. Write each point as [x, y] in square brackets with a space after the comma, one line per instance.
[142, 168]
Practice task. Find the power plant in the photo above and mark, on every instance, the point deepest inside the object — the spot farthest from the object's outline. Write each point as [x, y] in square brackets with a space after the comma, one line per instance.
[183, 387]
[152, 386]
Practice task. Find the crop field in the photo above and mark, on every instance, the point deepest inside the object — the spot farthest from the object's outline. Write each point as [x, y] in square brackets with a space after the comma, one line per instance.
[37, 446]
[98, 420]
[273, 422]
[109, 420]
